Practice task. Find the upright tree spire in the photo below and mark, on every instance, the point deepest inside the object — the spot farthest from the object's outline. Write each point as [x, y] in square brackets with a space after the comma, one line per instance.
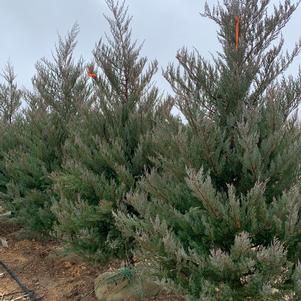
[10, 103]
[125, 75]
[60, 90]
[10, 96]
[255, 67]
[61, 84]
[219, 218]
[111, 147]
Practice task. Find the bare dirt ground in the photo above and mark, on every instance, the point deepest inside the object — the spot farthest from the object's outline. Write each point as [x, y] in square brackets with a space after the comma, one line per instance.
[38, 267]
[52, 277]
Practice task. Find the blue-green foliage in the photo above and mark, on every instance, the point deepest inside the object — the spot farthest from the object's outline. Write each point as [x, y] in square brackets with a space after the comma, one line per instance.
[110, 146]
[219, 216]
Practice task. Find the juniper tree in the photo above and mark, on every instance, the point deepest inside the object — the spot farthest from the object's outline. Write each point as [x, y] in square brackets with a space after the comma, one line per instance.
[110, 146]
[220, 216]
[10, 122]
[60, 89]
[10, 96]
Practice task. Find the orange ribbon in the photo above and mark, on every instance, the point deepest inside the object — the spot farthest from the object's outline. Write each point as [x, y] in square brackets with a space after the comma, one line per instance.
[237, 31]
[91, 72]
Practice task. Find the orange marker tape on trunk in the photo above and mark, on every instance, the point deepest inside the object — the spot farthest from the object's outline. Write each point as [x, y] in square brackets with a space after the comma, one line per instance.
[91, 72]
[237, 31]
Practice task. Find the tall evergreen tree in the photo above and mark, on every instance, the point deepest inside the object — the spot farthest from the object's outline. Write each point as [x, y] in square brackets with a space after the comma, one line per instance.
[110, 147]
[220, 217]
[60, 89]
[10, 96]
[10, 121]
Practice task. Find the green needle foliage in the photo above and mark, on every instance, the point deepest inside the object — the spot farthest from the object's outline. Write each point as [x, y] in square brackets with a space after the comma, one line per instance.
[10, 96]
[10, 121]
[59, 90]
[219, 217]
[110, 146]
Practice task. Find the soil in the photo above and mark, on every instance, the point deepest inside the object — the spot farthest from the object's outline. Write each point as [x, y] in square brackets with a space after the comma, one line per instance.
[42, 270]
[51, 276]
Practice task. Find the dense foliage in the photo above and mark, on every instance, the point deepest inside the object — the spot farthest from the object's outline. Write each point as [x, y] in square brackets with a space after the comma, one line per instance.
[110, 146]
[59, 91]
[10, 102]
[213, 203]
[220, 216]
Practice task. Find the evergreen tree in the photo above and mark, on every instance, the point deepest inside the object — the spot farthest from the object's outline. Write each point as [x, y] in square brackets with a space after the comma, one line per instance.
[10, 121]
[10, 96]
[60, 89]
[220, 216]
[110, 146]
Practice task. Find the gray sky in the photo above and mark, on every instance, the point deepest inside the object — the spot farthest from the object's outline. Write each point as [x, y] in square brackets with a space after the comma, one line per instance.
[28, 30]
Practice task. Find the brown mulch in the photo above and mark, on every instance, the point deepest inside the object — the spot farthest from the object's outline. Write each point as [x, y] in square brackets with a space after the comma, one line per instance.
[53, 277]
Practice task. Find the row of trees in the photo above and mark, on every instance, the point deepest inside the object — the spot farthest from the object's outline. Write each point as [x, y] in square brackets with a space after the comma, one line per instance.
[102, 164]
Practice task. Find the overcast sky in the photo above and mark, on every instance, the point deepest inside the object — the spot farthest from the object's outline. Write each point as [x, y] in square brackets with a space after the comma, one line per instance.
[29, 28]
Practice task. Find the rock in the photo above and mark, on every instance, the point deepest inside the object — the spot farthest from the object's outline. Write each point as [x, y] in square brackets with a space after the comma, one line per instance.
[124, 284]
[3, 242]
[4, 215]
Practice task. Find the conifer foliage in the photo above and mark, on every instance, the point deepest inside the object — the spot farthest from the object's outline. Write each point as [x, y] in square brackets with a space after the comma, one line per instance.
[10, 96]
[109, 148]
[219, 217]
[59, 90]
[10, 102]
[212, 205]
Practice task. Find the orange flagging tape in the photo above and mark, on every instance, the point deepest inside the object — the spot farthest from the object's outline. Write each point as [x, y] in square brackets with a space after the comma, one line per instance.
[91, 72]
[237, 31]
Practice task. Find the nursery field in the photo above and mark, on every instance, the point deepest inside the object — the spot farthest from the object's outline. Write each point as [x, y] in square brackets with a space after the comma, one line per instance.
[131, 191]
